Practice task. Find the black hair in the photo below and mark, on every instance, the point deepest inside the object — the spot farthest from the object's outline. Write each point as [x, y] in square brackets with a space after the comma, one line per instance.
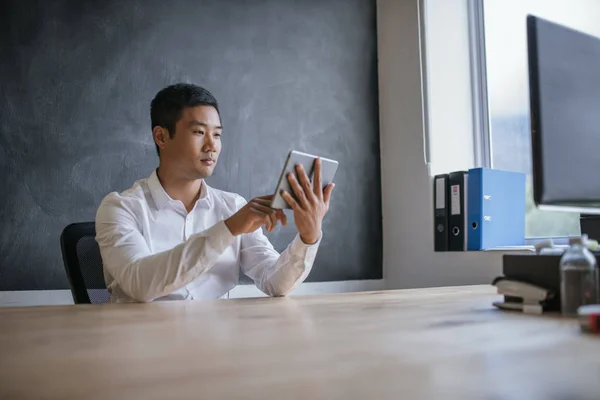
[168, 104]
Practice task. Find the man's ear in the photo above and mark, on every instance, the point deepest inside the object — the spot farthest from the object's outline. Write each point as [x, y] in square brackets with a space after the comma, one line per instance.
[161, 136]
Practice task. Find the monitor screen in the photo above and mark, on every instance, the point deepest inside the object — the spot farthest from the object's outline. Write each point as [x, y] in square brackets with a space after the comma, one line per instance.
[564, 88]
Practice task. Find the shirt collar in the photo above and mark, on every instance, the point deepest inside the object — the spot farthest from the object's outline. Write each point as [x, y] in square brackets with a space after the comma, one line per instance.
[161, 197]
[205, 199]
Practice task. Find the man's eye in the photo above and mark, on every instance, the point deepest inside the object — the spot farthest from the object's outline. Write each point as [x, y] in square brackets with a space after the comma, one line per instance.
[199, 132]
[217, 135]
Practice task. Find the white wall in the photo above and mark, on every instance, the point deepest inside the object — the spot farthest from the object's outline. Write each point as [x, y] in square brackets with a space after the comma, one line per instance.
[409, 259]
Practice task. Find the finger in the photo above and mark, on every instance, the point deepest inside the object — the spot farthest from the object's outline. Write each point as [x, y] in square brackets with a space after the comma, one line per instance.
[290, 200]
[263, 201]
[305, 182]
[263, 208]
[268, 197]
[317, 187]
[279, 214]
[282, 217]
[327, 193]
[271, 213]
[263, 217]
[298, 191]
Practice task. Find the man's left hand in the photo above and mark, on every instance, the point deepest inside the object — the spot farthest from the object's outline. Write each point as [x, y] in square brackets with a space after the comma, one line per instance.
[312, 204]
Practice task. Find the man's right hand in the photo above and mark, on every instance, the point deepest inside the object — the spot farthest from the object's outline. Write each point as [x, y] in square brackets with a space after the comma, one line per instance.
[255, 214]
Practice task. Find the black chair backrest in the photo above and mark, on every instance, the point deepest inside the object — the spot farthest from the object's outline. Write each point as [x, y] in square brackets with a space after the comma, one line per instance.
[83, 263]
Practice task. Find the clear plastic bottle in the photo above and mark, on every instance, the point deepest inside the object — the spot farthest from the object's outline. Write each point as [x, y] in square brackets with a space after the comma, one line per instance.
[578, 277]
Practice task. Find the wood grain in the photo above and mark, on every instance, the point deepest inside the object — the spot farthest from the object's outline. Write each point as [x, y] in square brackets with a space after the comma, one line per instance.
[421, 344]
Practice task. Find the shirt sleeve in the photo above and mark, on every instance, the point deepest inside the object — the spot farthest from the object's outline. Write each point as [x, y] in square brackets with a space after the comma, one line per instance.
[140, 274]
[273, 273]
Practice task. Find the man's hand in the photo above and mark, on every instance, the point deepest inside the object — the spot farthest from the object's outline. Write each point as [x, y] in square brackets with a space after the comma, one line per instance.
[255, 214]
[312, 204]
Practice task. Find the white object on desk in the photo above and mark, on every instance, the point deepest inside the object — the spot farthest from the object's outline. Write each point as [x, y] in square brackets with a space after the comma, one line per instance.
[532, 296]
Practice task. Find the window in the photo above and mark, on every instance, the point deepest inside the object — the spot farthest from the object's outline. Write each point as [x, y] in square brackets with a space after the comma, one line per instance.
[507, 91]
[448, 76]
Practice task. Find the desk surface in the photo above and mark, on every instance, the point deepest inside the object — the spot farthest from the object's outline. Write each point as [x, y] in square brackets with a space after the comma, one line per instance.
[423, 343]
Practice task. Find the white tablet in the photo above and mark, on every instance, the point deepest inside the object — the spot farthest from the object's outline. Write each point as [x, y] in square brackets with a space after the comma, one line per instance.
[328, 168]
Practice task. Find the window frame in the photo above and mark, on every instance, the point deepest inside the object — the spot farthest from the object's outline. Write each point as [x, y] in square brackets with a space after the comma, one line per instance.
[482, 138]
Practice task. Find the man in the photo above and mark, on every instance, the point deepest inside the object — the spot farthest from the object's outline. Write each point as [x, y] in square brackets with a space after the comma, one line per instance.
[171, 236]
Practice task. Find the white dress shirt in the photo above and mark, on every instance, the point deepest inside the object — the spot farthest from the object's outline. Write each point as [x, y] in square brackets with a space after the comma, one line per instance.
[153, 249]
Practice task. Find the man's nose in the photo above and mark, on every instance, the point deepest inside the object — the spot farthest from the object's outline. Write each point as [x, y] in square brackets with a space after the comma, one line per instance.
[209, 144]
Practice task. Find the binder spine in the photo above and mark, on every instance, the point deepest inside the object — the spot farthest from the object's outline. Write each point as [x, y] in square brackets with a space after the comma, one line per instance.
[475, 209]
[440, 212]
[457, 213]
[465, 212]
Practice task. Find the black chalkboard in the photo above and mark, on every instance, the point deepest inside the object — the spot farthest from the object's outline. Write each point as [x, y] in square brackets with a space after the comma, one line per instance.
[77, 77]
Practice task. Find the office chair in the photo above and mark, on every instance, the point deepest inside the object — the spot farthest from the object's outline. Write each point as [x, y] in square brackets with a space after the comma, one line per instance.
[83, 263]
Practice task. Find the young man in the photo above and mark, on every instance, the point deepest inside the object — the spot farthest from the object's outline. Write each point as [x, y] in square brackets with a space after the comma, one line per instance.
[171, 236]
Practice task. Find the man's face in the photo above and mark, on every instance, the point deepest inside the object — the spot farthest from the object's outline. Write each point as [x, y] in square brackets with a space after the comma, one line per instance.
[196, 143]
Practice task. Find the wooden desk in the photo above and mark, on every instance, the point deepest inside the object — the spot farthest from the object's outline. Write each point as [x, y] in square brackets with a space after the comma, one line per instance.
[418, 344]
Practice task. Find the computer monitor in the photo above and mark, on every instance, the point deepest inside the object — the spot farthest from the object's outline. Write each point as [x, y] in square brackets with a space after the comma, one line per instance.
[564, 87]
